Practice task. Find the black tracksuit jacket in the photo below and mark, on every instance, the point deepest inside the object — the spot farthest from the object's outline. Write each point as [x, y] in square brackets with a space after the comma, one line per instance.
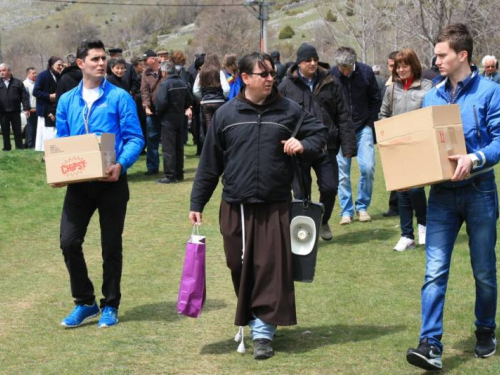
[244, 145]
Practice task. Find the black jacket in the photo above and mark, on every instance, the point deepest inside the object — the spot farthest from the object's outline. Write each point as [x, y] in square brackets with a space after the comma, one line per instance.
[172, 99]
[118, 82]
[326, 103]
[13, 96]
[280, 71]
[70, 78]
[44, 86]
[244, 145]
[362, 95]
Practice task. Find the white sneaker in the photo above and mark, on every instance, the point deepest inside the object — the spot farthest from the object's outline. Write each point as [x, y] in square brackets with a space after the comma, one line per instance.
[421, 234]
[345, 220]
[404, 243]
[364, 217]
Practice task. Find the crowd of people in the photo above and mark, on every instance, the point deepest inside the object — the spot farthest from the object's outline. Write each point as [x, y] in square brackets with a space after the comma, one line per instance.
[250, 116]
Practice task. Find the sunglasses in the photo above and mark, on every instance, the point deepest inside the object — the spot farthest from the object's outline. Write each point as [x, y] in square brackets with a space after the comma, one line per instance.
[265, 74]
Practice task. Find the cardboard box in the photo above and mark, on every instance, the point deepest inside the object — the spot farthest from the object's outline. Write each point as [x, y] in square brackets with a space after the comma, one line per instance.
[414, 146]
[79, 158]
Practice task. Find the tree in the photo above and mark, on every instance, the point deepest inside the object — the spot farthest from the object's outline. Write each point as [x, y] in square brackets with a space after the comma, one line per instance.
[72, 33]
[286, 33]
[222, 32]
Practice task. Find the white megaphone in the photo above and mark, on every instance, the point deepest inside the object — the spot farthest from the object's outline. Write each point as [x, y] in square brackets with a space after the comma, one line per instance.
[305, 218]
[303, 235]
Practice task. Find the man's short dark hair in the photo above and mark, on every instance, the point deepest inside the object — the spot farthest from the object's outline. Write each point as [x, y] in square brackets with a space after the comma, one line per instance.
[86, 45]
[134, 61]
[248, 61]
[30, 68]
[392, 55]
[458, 37]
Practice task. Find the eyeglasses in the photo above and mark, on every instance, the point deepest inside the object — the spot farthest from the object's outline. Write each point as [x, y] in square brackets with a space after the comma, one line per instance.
[265, 74]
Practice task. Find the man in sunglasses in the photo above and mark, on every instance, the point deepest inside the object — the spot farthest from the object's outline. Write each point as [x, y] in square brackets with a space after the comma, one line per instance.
[250, 143]
[309, 83]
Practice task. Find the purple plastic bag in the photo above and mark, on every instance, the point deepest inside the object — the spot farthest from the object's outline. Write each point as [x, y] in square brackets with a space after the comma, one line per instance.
[192, 291]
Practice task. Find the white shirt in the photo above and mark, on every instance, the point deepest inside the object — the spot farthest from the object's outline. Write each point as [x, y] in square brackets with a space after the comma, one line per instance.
[223, 81]
[6, 82]
[30, 85]
[90, 95]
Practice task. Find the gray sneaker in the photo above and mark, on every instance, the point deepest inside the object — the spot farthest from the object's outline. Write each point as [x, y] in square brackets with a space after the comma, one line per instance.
[325, 232]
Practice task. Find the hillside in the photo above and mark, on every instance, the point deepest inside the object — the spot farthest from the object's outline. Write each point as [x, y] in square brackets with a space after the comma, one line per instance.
[46, 21]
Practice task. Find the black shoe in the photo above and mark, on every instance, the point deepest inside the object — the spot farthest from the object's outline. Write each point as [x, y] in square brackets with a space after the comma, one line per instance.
[180, 179]
[151, 172]
[486, 343]
[426, 356]
[390, 213]
[166, 180]
[262, 349]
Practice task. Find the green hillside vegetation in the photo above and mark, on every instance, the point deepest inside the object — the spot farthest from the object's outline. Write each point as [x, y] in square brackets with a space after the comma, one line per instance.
[121, 25]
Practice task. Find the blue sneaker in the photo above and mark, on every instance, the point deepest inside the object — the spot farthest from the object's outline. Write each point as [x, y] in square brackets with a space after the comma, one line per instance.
[109, 317]
[80, 314]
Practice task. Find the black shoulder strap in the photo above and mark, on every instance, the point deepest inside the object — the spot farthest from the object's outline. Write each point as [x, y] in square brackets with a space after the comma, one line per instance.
[297, 161]
[299, 123]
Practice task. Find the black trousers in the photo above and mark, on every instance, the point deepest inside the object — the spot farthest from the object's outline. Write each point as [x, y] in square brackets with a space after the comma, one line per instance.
[172, 143]
[327, 172]
[6, 120]
[31, 130]
[393, 201]
[80, 203]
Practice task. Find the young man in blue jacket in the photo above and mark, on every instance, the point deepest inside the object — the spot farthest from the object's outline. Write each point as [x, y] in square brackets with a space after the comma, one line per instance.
[470, 197]
[96, 106]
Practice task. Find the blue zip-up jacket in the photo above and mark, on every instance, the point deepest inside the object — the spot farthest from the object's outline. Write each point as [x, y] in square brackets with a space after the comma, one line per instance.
[114, 111]
[479, 101]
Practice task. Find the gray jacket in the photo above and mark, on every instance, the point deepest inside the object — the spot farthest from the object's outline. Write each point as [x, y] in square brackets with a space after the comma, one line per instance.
[397, 100]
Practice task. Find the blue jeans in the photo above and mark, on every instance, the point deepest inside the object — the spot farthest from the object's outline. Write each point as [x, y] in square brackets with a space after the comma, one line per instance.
[261, 330]
[477, 205]
[366, 161]
[153, 142]
[413, 199]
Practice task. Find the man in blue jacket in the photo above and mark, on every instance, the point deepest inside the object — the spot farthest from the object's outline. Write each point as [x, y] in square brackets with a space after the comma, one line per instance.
[96, 106]
[470, 197]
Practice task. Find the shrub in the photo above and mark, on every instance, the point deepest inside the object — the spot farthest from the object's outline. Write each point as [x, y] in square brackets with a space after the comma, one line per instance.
[330, 17]
[286, 33]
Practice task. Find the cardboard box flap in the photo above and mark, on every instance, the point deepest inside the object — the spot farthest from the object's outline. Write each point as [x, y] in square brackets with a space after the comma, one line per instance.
[67, 145]
[107, 142]
[410, 139]
[446, 115]
[406, 123]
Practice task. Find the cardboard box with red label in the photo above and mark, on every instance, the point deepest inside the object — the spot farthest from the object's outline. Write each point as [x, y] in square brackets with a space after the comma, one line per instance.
[79, 158]
[414, 146]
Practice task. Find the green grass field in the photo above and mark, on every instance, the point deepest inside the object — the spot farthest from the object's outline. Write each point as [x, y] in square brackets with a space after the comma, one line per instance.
[359, 315]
